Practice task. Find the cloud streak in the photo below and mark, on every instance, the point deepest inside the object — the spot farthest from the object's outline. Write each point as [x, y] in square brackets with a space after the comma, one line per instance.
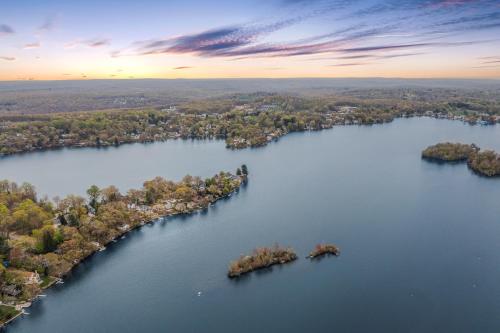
[48, 25]
[6, 30]
[7, 58]
[350, 64]
[34, 45]
[415, 24]
[92, 43]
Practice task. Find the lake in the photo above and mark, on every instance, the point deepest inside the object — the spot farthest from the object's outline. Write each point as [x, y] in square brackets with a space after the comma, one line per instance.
[420, 241]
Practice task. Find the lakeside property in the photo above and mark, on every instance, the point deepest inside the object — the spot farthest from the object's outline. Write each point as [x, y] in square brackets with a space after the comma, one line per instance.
[241, 121]
[8, 313]
[42, 241]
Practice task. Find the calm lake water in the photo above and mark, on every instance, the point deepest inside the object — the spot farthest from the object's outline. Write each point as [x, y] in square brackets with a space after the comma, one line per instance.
[420, 241]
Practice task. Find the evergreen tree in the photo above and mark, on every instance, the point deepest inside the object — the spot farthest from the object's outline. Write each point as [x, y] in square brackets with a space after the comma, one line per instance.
[244, 169]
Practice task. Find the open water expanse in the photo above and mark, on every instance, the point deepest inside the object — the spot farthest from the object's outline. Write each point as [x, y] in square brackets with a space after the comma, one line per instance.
[420, 241]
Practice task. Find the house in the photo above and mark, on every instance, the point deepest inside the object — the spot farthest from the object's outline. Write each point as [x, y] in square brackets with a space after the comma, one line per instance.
[124, 227]
[11, 290]
[33, 278]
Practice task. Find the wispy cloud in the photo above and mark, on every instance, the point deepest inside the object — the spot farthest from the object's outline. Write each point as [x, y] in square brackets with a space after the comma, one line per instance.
[471, 19]
[450, 3]
[378, 56]
[410, 25]
[34, 45]
[48, 24]
[210, 42]
[491, 60]
[6, 30]
[93, 43]
[7, 58]
[182, 67]
[409, 46]
[98, 42]
[243, 41]
[384, 47]
[350, 64]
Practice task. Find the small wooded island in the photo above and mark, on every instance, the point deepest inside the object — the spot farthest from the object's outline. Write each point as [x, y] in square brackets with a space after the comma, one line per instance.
[449, 152]
[324, 249]
[41, 241]
[485, 163]
[261, 257]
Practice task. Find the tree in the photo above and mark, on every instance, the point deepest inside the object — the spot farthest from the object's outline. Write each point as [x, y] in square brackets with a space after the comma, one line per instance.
[28, 191]
[4, 220]
[4, 246]
[238, 172]
[184, 192]
[71, 209]
[135, 196]
[28, 216]
[47, 239]
[244, 170]
[110, 194]
[94, 194]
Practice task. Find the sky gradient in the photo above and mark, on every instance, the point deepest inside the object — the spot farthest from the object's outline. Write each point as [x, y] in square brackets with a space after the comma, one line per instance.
[255, 38]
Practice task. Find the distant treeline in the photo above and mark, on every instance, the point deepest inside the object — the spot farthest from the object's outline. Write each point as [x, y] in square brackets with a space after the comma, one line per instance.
[73, 96]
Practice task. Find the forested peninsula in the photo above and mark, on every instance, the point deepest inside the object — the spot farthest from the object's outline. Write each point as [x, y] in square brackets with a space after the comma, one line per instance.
[42, 240]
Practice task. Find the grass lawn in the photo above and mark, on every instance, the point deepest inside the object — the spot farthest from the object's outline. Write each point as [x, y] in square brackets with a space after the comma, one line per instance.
[7, 312]
[47, 281]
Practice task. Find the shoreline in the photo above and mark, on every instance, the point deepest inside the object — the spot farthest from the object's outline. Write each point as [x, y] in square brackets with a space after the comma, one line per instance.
[4, 324]
[236, 144]
[155, 217]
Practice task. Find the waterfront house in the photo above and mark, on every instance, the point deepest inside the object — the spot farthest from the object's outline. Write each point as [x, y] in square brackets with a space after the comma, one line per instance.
[33, 278]
[11, 290]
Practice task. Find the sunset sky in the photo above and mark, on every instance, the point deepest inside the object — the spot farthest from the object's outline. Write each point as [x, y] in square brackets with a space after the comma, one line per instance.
[56, 39]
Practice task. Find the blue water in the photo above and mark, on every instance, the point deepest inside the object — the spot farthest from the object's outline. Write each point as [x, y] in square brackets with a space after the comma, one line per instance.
[420, 241]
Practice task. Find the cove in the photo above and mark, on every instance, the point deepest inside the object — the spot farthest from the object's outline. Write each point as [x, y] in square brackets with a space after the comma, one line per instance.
[419, 240]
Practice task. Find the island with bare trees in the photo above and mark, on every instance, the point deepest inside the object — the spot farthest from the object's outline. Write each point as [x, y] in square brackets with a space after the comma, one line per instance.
[261, 257]
[321, 250]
